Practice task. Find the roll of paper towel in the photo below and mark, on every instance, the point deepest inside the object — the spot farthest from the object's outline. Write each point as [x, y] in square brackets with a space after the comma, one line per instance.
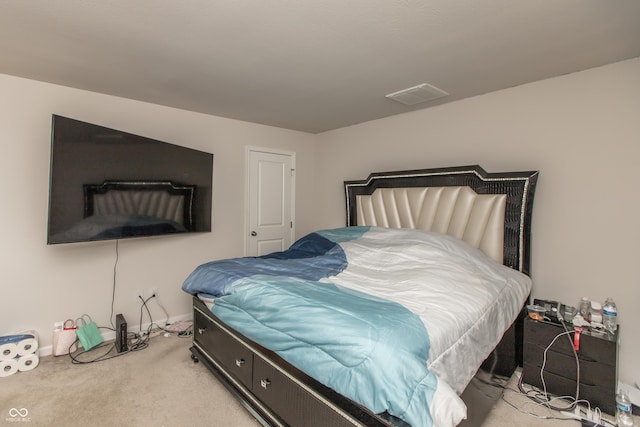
[27, 362]
[27, 346]
[8, 351]
[8, 367]
[18, 345]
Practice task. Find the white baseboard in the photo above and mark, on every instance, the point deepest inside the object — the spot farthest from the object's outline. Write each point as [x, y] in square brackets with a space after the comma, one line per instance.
[111, 335]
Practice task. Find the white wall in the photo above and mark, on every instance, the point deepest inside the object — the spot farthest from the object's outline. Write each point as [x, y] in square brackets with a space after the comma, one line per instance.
[42, 284]
[582, 131]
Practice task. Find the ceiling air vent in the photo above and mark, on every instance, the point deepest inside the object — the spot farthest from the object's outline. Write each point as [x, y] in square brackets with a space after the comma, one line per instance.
[417, 94]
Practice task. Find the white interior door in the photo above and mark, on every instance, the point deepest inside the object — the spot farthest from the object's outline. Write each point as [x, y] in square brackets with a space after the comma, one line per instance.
[270, 204]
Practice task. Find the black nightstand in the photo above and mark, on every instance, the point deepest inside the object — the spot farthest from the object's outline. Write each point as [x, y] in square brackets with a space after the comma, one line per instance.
[598, 356]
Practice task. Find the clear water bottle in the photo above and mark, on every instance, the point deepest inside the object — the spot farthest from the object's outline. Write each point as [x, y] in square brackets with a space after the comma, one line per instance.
[609, 315]
[623, 410]
[585, 307]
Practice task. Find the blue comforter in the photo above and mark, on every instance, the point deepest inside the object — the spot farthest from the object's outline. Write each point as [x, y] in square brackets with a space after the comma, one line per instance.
[313, 257]
[343, 338]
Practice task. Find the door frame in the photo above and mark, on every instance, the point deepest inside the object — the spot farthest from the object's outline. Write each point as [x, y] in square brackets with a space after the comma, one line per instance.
[247, 226]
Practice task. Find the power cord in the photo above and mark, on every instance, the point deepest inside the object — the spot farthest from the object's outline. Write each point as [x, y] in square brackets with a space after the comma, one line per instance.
[113, 291]
[536, 404]
[544, 363]
[544, 397]
[135, 341]
[144, 305]
[135, 344]
[183, 328]
[165, 312]
[182, 332]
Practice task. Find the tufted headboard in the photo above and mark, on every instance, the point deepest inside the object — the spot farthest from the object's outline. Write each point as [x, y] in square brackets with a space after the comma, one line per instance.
[491, 211]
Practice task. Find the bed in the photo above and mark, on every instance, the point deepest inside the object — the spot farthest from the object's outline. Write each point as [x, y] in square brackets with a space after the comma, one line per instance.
[337, 331]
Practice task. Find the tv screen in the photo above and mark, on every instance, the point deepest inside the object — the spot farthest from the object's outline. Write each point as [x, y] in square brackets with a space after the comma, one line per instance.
[109, 184]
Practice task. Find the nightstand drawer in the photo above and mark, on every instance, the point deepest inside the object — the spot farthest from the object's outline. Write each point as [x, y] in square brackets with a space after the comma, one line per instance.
[593, 347]
[602, 396]
[592, 372]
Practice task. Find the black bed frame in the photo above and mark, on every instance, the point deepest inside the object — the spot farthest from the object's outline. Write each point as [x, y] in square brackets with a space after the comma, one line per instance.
[279, 394]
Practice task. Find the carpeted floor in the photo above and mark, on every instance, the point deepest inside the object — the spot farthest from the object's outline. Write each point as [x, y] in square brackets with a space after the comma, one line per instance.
[159, 386]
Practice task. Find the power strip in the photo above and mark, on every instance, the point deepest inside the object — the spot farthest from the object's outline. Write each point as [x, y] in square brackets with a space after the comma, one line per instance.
[589, 419]
[585, 422]
[153, 333]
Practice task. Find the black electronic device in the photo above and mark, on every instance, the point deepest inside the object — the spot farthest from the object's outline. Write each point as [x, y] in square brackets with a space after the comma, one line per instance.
[551, 309]
[121, 334]
[88, 161]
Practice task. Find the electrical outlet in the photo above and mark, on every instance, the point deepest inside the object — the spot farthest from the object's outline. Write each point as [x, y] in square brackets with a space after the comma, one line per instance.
[152, 291]
[137, 294]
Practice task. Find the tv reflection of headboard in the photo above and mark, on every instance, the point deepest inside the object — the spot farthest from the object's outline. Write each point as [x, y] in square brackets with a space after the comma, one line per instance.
[159, 199]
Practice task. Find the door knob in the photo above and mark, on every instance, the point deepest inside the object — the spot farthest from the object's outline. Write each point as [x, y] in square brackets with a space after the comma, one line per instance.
[254, 234]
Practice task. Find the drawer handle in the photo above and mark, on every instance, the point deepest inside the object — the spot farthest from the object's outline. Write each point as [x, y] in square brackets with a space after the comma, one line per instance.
[201, 330]
[239, 363]
[264, 383]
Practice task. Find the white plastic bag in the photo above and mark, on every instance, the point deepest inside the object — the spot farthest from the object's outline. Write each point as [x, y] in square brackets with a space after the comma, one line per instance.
[64, 338]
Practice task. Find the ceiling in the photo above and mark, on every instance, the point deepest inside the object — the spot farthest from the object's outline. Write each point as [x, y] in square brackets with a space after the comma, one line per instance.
[309, 65]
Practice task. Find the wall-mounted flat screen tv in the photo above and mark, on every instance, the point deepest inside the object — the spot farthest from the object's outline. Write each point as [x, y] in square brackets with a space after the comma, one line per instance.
[109, 184]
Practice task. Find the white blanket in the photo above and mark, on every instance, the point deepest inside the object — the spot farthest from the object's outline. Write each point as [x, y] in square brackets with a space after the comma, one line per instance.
[465, 299]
